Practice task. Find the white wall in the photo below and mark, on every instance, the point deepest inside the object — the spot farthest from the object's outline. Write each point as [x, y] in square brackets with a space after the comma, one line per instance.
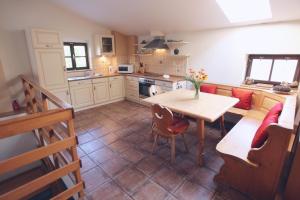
[223, 52]
[16, 16]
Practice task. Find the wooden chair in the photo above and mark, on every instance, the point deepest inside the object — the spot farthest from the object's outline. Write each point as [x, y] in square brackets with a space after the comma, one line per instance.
[166, 125]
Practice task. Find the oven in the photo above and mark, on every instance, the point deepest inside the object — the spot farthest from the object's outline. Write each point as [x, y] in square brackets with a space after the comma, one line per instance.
[145, 87]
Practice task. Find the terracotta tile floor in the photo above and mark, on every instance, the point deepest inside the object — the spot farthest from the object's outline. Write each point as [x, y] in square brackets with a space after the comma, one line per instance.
[115, 149]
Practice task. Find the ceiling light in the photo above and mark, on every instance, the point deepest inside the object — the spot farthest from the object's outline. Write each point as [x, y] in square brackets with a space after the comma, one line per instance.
[245, 10]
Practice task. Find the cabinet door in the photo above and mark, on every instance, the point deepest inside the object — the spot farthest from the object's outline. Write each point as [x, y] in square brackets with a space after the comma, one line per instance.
[132, 89]
[116, 87]
[105, 45]
[42, 38]
[101, 92]
[82, 95]
[51, 68]
[63, 94]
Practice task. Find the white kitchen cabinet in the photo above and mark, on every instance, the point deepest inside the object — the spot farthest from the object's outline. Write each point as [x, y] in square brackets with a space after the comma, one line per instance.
[104, 45]
[116, 87]
[132, 88]
[42, 38]
[88, 93]
[63, 94]
[82, 93]
[101, 90]
[51, 68]
[47, 58]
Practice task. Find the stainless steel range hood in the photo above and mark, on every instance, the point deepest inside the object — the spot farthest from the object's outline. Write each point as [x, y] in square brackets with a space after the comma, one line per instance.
[158, 42]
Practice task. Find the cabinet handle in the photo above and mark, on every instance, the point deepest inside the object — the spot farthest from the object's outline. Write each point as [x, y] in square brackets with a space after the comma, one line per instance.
[94, 87]
[110, 85]
[67, 92]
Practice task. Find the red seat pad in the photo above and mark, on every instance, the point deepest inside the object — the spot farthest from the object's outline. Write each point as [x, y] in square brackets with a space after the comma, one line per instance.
[179, 125]
[261, 134]
[245, 97]
[212, 89]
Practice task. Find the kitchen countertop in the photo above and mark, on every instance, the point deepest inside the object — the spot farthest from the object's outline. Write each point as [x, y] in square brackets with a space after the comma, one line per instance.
[145, 75]
[78, 78]
[158, 77]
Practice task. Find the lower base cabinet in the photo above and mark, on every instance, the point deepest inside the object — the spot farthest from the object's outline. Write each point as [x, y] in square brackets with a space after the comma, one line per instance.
[82, 94]
[116, 87]
[132, 89]
[86, 93]
[63, 94]
[101, 90]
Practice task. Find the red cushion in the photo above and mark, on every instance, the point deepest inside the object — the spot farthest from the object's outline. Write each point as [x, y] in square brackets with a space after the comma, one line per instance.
[245, 97]
[272, 117]
[208, 89]
[275, 110]
[179, 125]
[261, 134]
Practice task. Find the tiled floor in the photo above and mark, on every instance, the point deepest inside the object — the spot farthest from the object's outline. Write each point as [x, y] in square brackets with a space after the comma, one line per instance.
[115, 148]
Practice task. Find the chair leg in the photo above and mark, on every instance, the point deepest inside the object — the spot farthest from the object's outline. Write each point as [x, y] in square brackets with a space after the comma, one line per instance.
[152, 131]
[185, 144]
[222, 126]
[154, 143]
[173, 151]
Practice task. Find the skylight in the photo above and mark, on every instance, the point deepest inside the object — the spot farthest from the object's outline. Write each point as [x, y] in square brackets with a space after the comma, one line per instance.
[245, 10]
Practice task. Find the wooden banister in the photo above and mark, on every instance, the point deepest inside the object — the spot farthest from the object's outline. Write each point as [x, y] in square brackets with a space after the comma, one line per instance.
[54, 131]
[67, 194]
[34, 121]
[34, 155]
[55, 100]
[40, 182]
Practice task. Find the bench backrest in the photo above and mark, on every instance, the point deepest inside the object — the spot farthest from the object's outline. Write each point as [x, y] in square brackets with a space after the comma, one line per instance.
[261, 100]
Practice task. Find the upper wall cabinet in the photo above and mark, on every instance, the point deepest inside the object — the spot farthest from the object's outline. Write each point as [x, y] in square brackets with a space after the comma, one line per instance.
[104, 45]
[46, 39]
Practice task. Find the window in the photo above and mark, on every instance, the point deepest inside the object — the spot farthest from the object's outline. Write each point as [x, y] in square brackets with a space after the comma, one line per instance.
[273, 69]
[76, 56]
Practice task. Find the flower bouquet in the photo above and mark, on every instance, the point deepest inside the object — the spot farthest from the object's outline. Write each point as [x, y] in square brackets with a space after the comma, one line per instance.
[196, 78]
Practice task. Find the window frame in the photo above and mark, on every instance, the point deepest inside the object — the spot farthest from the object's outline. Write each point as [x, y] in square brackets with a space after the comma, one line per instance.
[273, 57]
[71, 45]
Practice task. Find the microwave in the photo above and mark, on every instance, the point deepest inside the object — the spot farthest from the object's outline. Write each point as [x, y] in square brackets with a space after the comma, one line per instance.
[126, 69]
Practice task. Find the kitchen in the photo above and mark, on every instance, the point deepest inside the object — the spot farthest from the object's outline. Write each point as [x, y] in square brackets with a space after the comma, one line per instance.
[92, 88]
[114, 102]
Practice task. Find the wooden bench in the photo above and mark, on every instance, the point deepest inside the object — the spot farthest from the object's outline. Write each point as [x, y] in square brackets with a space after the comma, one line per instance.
[256, 171]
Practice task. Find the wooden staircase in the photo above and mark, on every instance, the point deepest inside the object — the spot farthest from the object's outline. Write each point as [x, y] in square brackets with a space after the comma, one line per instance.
[54, 131]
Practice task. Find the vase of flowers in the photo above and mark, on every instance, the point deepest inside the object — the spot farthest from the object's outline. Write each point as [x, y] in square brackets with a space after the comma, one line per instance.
[196, 78]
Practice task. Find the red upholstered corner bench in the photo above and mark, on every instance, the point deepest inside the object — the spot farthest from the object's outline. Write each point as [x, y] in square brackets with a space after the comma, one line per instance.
[257, 171]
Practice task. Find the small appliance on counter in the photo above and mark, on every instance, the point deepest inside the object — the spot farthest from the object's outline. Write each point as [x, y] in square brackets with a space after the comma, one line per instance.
[125, 69]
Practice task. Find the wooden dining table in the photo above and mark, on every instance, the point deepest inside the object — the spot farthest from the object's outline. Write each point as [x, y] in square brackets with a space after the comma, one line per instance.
[208, 107]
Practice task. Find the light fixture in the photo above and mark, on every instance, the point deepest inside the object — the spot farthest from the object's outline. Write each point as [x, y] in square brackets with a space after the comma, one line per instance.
[245, 10]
